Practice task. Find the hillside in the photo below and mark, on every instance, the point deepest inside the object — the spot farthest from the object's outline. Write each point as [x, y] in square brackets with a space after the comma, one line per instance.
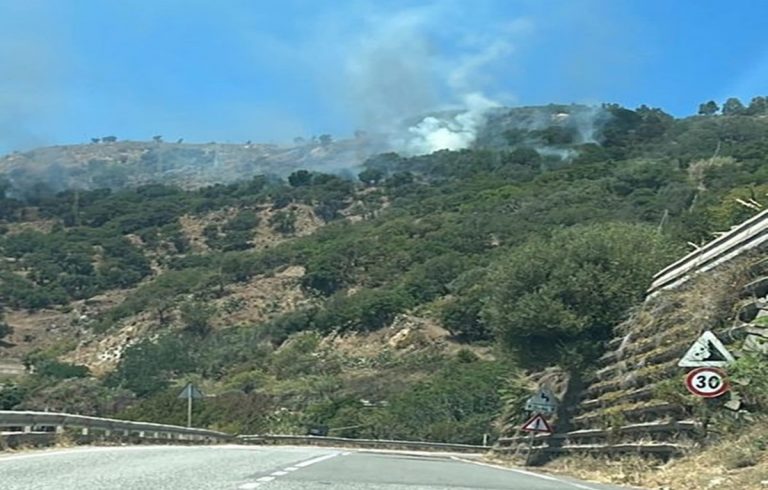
[117, 164]
[391, 305]
[111, 163]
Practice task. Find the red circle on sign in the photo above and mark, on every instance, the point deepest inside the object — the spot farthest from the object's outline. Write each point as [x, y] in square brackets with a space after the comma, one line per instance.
[707, 382]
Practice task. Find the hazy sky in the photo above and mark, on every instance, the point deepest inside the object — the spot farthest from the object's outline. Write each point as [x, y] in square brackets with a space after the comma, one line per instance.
[234, 70]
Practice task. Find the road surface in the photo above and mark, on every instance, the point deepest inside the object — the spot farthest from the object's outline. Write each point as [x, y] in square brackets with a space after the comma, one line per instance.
[262, 468]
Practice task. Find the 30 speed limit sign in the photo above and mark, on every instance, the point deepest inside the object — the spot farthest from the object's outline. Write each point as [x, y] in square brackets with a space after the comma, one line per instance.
[706, 382]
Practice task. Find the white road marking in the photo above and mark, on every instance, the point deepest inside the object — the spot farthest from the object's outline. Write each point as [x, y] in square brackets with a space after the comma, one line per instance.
[319, 459]
[296, 467]
[524, 472]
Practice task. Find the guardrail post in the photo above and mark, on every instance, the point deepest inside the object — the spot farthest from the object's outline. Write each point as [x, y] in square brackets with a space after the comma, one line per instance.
[27, 428]
[141, 434]
[84, 431]
[59, 429]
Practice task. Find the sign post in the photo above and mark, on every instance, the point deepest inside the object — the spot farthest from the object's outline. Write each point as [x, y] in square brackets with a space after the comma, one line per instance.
[535, 424]
[707, 355]
[189, 392]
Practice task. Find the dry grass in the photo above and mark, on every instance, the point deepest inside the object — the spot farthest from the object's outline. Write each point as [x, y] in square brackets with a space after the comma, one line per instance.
[64, 440]
[739, 462]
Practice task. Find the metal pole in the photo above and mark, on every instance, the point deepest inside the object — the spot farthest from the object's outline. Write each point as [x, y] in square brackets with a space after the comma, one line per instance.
[189, 409]
[530, 450]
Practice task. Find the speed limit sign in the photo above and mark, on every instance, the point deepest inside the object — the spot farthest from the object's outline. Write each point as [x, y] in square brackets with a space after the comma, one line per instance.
[706, 382]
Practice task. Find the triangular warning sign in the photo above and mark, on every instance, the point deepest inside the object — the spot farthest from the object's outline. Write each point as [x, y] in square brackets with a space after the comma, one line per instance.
[537, 423]
[707, 351]
[190, 391]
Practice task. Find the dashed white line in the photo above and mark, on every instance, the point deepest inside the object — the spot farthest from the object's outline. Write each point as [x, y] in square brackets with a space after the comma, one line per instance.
[285, 471]
[304, 464]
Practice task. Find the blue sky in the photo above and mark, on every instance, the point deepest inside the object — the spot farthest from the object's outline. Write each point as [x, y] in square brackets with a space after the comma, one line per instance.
[236, 70]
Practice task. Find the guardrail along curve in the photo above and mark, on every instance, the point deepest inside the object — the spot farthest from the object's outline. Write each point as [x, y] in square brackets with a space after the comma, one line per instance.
[18, 423]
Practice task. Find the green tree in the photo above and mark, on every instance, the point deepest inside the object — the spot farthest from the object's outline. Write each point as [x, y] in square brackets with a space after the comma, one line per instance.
[708, 108]
[757, 106]
[148, 366]
[283, 221]
[371, 176]
[300, 178]
[733, 107]
[556, 300]
[196, 317]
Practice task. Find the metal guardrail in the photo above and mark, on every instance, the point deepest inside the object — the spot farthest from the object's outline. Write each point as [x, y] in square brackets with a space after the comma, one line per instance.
[14, 423]
[44, 426]
[747, 236]
[272, 439]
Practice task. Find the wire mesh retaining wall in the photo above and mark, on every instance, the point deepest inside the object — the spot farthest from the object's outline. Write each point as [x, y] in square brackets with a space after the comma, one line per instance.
[623, 408]
[658, 438]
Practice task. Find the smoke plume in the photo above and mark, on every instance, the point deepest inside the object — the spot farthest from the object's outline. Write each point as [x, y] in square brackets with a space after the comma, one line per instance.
[398, 71]
[448, 132]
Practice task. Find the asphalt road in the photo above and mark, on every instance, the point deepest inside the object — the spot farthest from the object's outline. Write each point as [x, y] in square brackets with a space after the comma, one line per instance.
[263, 468]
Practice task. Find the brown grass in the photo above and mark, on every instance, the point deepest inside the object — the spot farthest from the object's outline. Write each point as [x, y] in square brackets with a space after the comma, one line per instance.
[737, 462]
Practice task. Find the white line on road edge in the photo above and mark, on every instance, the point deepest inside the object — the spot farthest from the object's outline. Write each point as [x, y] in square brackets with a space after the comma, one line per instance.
[291, 468]
[265, 478]
[279, 473]
[524, 472]
[249, 486]
[304, 464]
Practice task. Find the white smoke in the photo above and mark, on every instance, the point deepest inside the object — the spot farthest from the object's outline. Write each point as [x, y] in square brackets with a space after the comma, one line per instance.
[449, 133]
[427, 61]
[586, 124]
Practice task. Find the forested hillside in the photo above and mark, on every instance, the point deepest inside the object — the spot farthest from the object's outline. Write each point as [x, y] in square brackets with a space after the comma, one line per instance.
[406, 302]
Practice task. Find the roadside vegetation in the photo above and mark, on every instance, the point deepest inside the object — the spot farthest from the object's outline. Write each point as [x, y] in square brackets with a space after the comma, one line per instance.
[523, 260]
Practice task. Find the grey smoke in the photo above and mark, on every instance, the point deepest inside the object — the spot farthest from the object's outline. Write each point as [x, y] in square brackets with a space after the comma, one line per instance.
[32, 70]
